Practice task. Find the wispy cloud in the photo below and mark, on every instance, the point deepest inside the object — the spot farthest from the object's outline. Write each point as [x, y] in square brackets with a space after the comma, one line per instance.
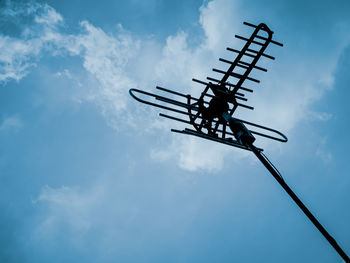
[322, 152]
[19, 53]
[66, 206]
[104, 55]
[9, 123]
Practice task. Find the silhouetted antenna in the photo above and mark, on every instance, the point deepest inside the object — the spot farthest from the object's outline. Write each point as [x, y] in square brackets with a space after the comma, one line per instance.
[212, 112]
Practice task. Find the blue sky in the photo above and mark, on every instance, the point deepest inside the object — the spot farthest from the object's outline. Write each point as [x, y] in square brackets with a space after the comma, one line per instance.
[89, 175]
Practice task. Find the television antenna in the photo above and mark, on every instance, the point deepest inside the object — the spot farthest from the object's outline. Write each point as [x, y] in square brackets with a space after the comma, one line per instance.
[212, 112]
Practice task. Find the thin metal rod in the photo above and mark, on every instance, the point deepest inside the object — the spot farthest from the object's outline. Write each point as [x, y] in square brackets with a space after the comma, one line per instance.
[306, 211]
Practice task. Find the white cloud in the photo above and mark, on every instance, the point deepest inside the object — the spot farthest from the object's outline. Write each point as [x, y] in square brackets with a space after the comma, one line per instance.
[17, 55]
[13, 122]
[105, 56]
[67, 206]
[320, 116]
[322, 152]
[176, 61]
[219, 19]
[49, 17]
[14, 58]
[196, 154]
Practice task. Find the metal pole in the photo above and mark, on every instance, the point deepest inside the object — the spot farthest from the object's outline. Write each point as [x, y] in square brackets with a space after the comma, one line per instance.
[306, 211]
